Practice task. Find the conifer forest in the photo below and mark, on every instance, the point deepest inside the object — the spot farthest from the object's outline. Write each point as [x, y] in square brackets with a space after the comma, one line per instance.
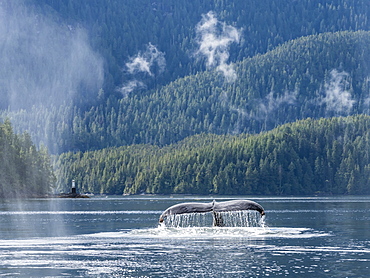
[229, 97]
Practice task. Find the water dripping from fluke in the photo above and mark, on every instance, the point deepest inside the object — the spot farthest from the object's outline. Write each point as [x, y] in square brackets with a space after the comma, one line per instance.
[206, 219]
[235, 213]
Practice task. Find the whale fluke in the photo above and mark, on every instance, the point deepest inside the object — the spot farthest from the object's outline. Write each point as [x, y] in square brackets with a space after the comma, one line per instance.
[236, 205]
[186, 208]
[215, 207]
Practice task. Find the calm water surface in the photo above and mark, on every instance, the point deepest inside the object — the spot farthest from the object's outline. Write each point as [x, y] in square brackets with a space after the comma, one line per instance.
[120, 237]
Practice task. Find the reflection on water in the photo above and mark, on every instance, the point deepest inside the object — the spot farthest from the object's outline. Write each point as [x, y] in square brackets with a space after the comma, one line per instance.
[176, 252]
[152, 252]
[121, 238]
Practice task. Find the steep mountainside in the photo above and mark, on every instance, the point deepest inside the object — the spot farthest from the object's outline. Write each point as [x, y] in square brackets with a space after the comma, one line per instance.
[326, 156]
[121, 29]
[317, 76]
[126, 81]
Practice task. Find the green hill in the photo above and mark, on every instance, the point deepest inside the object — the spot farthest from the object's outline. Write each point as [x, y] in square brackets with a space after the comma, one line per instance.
[291, 58]
[157, 96]
[325, 156]
[317, 76]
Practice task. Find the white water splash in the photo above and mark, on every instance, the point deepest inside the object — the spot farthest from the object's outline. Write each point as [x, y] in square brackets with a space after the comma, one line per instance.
[195, 233]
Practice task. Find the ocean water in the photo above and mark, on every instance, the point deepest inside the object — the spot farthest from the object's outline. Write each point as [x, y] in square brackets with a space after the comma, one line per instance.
[121, 237]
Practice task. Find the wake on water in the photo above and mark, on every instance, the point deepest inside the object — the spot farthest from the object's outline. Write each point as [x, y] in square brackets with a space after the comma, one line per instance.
[237, 224]
[203, 233]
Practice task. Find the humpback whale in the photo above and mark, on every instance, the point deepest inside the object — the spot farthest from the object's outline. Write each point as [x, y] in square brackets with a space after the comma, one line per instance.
[215, 207]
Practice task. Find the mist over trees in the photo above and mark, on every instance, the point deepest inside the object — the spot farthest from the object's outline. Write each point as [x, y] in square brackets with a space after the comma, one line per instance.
[137, 72]
[43, 62]
[24, 170]
[120, 29]
[141, 76]
[317, 76]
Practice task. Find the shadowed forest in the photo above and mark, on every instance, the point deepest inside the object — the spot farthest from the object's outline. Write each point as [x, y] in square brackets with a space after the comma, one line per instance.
[205, 97]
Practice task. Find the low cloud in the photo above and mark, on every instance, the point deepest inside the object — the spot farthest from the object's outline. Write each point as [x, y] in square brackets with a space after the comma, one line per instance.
[145, 61]
[337, 93]
[128, 87]
[214, 39]
[264, 109]
[151, 62]
[43, 61]
[271, 103]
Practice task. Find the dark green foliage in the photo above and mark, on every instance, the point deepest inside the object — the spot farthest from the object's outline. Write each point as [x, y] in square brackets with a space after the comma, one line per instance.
[296, 59]
[325, 156]
[281, 73]
[119, 29]
[288, 83]
[24, 170]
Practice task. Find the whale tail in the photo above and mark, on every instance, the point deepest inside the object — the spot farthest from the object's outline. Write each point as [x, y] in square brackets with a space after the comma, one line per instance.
[216, 207]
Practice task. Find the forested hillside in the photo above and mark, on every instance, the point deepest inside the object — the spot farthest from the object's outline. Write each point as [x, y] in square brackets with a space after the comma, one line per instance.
[125, 72]
[317, 76]
[208, 96]
[121, 29]
[24, 170]
[325, 156]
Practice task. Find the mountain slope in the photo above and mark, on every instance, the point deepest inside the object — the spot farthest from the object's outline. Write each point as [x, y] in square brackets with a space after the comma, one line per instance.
[324, 156]
[317, 76]
[138, 50]
[120, 29]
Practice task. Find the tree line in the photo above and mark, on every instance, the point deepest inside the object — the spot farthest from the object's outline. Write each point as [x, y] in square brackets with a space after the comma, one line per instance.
[25, 171]
[323, 156]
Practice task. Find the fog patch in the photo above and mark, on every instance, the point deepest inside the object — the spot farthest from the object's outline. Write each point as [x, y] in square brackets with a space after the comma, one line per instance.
[273, 102]
[145, 61]
[150, 62]
[44, 62]
[337, 95]
[214, 39]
